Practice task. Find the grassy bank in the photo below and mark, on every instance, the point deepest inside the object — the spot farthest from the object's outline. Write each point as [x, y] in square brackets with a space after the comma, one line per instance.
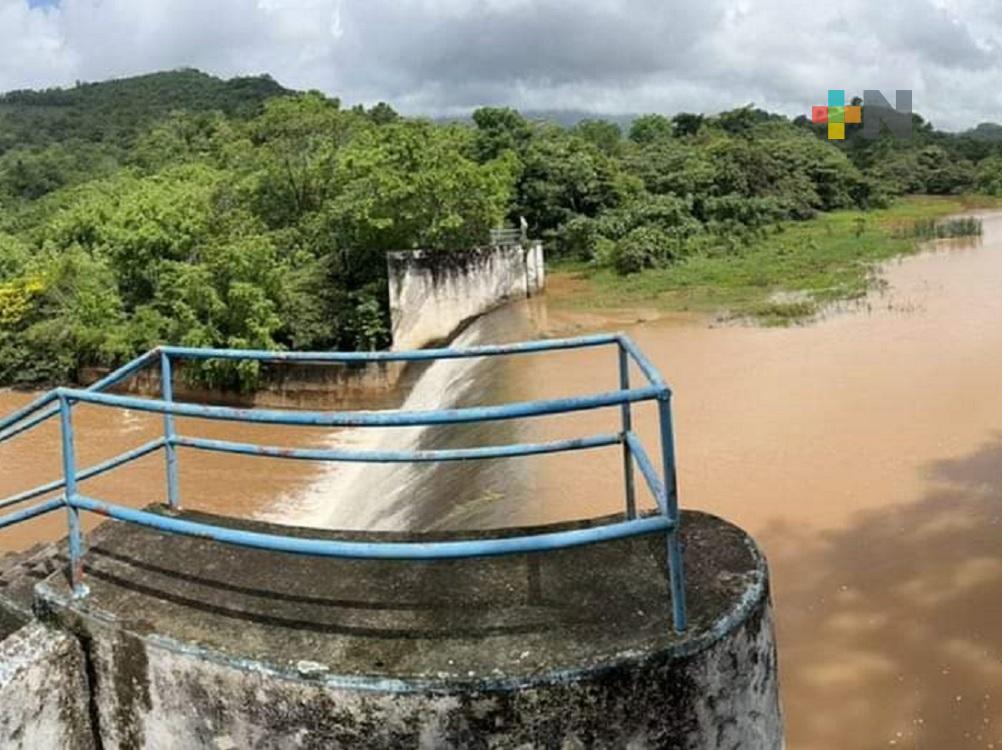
[785, 277]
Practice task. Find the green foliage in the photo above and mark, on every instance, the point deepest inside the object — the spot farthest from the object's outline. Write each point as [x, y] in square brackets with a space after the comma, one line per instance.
[14, 256]
[929, 169]
[184, 209]
[499, 129]
[777, 278]
[673, 166]
[988, 178]
[266, 233]
[28, 174]
[53, 320]
[687, 123]
[564, 176]
[931, 229]
[383, 114]
[409, 185]
[606, 136]
[644, 247]
[648, 129]
[115, 112]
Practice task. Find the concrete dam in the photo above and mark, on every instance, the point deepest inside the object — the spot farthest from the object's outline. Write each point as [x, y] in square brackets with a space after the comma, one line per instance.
[170, 627]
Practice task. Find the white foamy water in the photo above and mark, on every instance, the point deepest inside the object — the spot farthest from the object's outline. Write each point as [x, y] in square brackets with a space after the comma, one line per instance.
[390, 496]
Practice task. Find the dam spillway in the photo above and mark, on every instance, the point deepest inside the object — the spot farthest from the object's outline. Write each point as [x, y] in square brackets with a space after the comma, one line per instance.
[196, 630]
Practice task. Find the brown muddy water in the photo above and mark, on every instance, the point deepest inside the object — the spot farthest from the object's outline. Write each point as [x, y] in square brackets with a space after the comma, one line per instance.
[863, 452]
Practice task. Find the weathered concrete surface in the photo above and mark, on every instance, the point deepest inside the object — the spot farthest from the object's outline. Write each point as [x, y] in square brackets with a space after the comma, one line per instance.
[433, 294]
[356, 385]
[43, 691]
[19, 572]
[195, 644]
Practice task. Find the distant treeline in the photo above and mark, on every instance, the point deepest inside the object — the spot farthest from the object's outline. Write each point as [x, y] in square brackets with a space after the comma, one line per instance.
[180, 208]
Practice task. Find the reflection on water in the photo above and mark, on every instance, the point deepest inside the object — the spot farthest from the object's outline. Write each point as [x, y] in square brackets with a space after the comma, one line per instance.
[863, 452]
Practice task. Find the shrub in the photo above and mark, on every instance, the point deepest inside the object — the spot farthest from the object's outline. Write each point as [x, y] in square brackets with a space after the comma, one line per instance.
[644, 247]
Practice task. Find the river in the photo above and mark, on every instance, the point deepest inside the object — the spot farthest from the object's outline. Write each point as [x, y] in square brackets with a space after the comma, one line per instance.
[863, 452]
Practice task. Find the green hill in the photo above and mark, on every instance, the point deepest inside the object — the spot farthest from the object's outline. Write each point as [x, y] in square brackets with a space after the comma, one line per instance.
[115, 112]
[987, 131]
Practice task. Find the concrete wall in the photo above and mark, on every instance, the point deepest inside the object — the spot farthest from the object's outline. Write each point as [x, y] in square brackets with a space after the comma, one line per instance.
[43, 691]
[254, 650]
[432, 294]
[156, 695]
[285, 386]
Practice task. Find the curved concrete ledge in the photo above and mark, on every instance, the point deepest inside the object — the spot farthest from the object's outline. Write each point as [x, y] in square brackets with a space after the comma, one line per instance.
[194, 644]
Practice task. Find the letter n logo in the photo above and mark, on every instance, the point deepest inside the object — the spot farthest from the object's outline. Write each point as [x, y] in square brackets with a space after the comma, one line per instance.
[877, 110]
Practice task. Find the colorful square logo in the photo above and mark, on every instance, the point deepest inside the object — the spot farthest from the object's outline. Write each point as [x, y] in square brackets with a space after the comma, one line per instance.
[836, 115]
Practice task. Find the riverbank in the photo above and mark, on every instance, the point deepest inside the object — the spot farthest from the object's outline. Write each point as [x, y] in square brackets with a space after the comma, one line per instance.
[848, 449]
[786, 277]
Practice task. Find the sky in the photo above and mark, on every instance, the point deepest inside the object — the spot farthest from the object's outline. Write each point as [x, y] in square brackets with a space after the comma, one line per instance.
[446, 57]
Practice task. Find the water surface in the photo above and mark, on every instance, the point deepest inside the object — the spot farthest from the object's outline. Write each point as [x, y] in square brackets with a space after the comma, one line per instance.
[863, 452]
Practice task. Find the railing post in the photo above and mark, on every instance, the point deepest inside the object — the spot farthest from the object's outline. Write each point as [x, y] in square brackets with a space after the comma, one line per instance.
[170, 448]
[675, 574]
[624, 384]
[73, 514]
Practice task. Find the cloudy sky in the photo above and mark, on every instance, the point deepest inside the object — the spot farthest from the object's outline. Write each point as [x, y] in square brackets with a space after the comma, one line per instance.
[609, 56]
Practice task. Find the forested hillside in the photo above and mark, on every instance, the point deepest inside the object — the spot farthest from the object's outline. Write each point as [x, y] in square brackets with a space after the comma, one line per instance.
[115, 112]
[58, 137]
[180, 208]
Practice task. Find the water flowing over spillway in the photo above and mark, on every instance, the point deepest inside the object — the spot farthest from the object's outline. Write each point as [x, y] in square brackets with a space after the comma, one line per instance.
[399, 496]
[863, 452]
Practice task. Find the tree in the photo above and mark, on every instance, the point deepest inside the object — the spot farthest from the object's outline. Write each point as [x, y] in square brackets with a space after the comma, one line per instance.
[564, 176]
[14, 256]
[411, 185]
[177, 207]
[650, 129]
[605, 135]
[294, 143]
[499, 129]
[989, 175]
[672, 166]
[383, 114]
[687, 124]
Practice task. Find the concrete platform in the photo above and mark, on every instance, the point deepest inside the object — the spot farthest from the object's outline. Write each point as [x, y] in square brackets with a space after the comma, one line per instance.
[194, 643]
[489, 621]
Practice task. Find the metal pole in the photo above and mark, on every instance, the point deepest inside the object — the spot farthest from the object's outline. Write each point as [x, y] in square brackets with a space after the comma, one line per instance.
[170, 448]
[624, 384]
[675, 575]
[73, 514]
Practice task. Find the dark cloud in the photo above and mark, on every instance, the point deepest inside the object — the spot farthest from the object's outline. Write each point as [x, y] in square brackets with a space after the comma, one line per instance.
[447, 56]
[518, 44]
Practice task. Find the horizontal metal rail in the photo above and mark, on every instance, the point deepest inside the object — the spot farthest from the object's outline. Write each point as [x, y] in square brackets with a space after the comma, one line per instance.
[88, 473]
[28, 424]
[379, 550]
[34, 511]
[27, 410]
[386, 457]
[389, 418]
[661, 486]
[112, 378]
[414, 355]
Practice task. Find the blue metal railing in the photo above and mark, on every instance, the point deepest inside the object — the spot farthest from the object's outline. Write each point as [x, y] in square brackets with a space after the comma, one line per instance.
[661, 484]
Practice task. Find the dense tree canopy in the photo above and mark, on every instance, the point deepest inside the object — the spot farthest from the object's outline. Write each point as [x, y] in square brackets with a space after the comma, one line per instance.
[180, 208]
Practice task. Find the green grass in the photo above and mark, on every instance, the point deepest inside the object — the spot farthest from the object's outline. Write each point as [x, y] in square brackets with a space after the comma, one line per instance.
[786, 277]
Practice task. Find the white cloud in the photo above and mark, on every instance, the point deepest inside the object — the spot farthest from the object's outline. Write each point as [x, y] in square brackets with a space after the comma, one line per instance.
[446, 56]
